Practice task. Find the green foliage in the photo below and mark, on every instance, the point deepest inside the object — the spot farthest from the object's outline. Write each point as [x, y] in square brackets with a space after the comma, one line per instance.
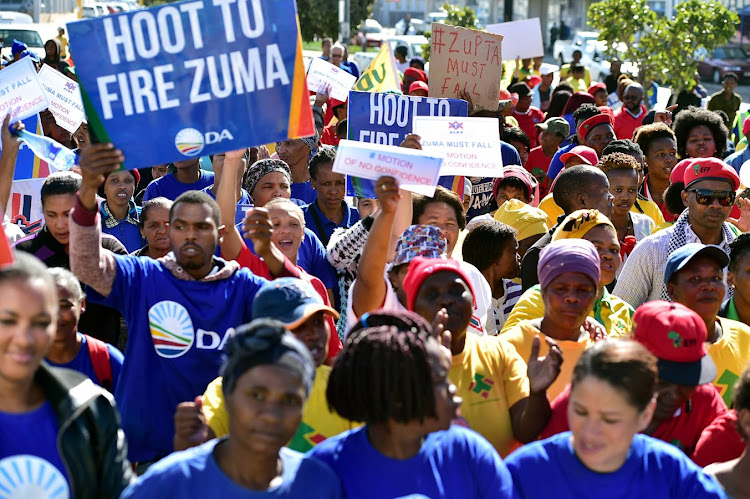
[463, 17]
[664, 49]
[321, 17]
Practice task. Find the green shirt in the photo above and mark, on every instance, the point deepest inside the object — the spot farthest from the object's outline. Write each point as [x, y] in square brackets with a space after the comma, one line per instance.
[717, 102]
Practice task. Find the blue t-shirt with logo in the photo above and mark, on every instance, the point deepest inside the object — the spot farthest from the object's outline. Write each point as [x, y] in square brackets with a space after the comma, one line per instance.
[30, 464]
[195, 473]
[454, 463]
[82, 363]
[169, 187]
[176, 332]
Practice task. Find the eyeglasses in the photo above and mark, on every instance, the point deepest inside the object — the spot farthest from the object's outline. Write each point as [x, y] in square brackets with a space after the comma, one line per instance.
[707, 197]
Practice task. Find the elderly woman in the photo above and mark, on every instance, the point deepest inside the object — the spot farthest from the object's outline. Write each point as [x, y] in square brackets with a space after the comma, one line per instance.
[155, 228]
[267, 378]
[118, 210]
[608, 310]
[612, 399]
[408, 446]
[56, 424]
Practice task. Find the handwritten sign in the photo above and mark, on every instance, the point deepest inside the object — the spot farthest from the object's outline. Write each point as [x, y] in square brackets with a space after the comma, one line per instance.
[64, 98]
[520, 38]
[189, 74]
[21, 95]
[469, 146]
[415, 171]
[465, 59]
[322, 73]
[386, 119]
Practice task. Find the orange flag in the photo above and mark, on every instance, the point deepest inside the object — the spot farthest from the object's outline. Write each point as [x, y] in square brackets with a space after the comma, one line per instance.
[6, 255]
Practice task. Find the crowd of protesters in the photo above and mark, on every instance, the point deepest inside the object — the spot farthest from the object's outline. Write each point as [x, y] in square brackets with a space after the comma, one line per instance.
[232, 326]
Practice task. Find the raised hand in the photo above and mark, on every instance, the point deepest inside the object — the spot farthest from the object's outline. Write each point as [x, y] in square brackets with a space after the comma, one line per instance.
[190, 425]
[386, 189]
[543, 371]
[258, 228]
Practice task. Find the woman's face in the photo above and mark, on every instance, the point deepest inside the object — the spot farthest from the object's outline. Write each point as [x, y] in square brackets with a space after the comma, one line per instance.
[568, 299]
[700, 143]
[661, 158]
[271, 185]
[603, 424]
[28, 322]
[623, 185]
[442, 216]
[288, 230]
[119, 188]
[446, 289]
[669, 398]
[265, 408]
[604, 238]
[739, 279]
[156, 228]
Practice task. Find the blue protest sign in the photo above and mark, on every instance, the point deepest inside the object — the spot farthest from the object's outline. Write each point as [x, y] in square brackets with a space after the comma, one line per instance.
[192, 78]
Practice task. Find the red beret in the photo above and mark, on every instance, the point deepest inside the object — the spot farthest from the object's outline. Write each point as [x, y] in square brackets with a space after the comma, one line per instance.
[710, 169]
[591, 123]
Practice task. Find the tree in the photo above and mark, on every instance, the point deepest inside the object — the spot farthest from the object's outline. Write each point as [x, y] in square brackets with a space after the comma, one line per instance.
[663, 49]
[463, 17]
[321, 17]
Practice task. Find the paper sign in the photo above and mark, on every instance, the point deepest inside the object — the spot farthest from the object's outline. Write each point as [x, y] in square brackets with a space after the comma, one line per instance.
[387, 118]
[193, 78]
[322, 73]
[21, 95]
[64, 98]
[415, 171]
[520, 38]
[465, 59]
[469, 146]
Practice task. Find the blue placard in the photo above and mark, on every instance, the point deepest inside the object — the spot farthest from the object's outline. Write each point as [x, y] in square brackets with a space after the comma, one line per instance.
[192, 78]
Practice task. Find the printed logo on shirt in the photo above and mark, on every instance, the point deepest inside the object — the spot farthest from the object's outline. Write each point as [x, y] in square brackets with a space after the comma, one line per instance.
[726, 383]
[31, 476]
[481, 385]
[306, 438]
[171, 329]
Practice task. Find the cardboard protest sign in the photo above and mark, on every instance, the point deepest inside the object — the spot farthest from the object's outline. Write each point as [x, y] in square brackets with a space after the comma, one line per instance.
[21, 95]
[381, 75]
[387, 118]
[322, 73]
[465, 59]
[469, 146]
[64, 98]
[25, 205]
[520, 38]
[193, 78]
[415, 171]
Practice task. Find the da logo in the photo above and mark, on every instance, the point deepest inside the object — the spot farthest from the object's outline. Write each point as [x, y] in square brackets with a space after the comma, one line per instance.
[189, 141]
[31, 476]
[171, 329]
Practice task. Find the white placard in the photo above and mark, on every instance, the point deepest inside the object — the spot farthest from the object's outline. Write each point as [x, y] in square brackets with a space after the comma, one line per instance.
[64, 97]
[415, 171]
[520, 38]
[323, 73]
[21, 95]
[468, 146]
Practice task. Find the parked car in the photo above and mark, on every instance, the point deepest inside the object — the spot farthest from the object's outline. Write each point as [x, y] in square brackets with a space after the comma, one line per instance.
[583, 40]
[726, 59]
[15, 18]
[370, 34]
[26, 33]
[94, 10]
[416, 27]
[413, 43]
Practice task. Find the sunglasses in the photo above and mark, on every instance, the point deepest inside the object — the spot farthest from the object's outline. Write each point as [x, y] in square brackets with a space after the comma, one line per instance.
[707, 197]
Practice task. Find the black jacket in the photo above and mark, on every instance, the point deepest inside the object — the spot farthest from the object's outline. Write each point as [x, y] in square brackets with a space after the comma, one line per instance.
[90, 442]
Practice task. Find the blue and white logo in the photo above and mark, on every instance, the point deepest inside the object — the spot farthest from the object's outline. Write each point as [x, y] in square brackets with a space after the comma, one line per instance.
[189, 141]
[26, 476]
[171, 329]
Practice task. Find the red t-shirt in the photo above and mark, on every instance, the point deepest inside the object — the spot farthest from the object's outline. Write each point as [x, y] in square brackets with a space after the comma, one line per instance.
[257, 266]
[526, 122]
[719, 442]
[682, 431]
[329, 136]
[625, 124]
[537, 165]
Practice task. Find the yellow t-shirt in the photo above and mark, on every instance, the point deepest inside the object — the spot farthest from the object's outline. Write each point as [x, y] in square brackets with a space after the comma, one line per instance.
[548, 206]
[491, 378]
[522, 335]
[578, 84]
[565, 69]
[614, 313]
[318, 421]
[731, 355]
[651, 209]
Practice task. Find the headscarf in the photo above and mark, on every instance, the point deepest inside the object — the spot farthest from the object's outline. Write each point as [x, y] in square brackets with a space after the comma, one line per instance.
[263, 167]
[527, 220]
[578, 223]
[568, 255]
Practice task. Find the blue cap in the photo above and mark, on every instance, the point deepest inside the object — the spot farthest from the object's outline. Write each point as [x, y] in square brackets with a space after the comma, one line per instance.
[682, 256]
[290, 301]
[30, 54]
[18, 47]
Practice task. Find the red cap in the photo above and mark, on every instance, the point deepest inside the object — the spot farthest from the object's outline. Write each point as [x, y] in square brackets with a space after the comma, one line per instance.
[676, 335]
[415, 73]
[678, 171]
[421, 268]
[595, 87]
[746, 126]
[587, 154]
[607, 110]
[533, 81]
[418, 85]
[594, 121]
[710, 169]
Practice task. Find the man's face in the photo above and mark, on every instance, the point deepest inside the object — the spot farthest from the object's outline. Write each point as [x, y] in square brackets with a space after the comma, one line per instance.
[577, 56]
[712, 216]
[547, 79]
[615, 67]
[549, 140]
[632, 99]
[314, 334]
[598, 196]
[187, 164]
[326, 47]
[336, 56]
[193, 235]
[293, 151]
[599, 137]
[699, 285]
[523, 104]
[729, 84]
[56, 210]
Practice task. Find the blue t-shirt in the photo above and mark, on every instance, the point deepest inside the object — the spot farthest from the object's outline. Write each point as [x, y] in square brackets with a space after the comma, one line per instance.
[195, 473]
[30, 464]
[550, 468]
[482, 201]
[351, 216]
[169, 187]
[176, 333]
[82, 363]
[303, 191]
[556, 165]
[457, 463]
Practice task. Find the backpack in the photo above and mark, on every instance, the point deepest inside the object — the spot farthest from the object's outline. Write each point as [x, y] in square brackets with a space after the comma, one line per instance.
[99, 355]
